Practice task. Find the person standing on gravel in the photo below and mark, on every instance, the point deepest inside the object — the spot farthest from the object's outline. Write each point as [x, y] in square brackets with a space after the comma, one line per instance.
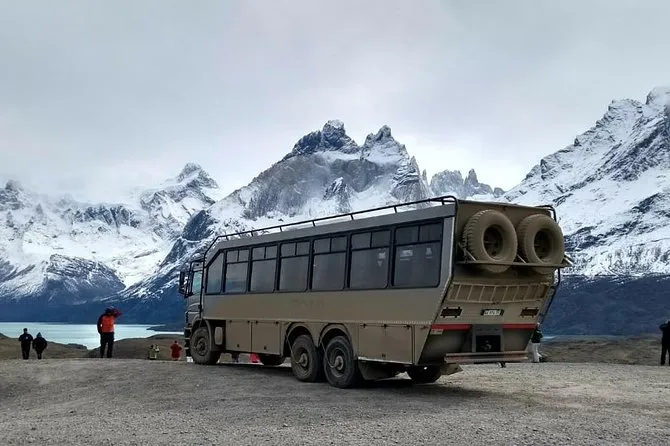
[176, 350]
[535, 343]
[106, 330]
[39, 344]
[665, 341]
[26, 340]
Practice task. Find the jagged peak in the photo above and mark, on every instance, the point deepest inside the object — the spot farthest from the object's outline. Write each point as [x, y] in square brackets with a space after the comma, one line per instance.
[188, 170]
[13, 186]
[193, 172]
[382, 135]
[331, 138]
[333, 124]
[472, 177]
[659, 95]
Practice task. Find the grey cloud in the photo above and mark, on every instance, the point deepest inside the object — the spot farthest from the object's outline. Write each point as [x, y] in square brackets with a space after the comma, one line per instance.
[95, 97]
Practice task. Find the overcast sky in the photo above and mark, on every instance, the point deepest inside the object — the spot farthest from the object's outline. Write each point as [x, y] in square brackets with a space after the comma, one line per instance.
[98, 96]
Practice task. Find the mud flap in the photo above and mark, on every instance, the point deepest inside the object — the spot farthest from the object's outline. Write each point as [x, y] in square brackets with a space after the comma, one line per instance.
[450, 369]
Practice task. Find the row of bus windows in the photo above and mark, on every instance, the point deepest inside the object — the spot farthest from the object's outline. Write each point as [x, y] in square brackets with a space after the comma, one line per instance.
[359, 262]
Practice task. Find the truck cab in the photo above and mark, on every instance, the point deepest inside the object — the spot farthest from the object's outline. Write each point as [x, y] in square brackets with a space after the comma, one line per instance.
[190, 286]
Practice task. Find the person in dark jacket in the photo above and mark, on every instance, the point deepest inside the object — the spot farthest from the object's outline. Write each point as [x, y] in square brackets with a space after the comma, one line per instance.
[535, 339]
[665, 341]
[39, 344]
[26, 339]
[106, 330]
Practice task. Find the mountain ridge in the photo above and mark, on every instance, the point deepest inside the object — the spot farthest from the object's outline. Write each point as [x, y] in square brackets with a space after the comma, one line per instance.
[611, 189]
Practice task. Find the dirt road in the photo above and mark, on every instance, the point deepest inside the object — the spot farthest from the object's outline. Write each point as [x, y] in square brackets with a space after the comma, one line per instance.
[127, 402]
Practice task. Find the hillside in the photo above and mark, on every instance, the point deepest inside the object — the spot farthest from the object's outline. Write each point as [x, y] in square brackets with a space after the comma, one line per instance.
[611, 190]
[57, 253]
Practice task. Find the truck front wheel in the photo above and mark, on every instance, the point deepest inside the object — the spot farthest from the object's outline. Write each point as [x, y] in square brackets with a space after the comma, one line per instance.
[202, 351]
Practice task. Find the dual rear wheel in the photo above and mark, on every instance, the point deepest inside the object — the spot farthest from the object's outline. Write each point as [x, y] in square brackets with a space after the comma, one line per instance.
[338, 365]
[336, 362]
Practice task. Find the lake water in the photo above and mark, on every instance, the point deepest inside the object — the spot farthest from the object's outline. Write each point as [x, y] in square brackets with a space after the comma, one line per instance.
[84, 334]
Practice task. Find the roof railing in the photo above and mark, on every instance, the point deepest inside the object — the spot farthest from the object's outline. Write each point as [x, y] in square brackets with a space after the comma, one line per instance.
[442, 200]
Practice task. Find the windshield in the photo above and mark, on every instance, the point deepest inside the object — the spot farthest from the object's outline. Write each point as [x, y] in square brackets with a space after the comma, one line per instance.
[197, 282]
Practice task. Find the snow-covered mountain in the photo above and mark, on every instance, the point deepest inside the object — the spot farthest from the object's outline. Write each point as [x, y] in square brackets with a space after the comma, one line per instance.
[451, 182]
[611, 190]
[67, 251]
[325, 173]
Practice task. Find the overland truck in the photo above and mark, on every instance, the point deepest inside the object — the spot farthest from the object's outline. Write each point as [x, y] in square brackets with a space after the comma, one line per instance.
[419, 287]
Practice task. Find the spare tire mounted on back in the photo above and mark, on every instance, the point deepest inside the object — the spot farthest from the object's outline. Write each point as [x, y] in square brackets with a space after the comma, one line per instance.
[490, 236]
[541, 241]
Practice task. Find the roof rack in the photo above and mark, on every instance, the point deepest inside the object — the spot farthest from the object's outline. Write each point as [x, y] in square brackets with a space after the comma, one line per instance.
[442, 200]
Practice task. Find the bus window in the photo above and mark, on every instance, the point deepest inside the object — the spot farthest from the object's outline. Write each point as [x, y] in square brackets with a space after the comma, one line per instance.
[329, 265]
[293, 268]
[417, 265]
[328, 271]
[214, 273]
[197, 282]
[263, 267]
[369, 268]
[236, 272]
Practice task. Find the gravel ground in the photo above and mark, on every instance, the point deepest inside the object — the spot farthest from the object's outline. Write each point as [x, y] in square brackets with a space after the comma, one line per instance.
[127, 402]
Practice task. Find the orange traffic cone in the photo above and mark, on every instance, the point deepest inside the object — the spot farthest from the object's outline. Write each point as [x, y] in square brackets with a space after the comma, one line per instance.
[254, 358]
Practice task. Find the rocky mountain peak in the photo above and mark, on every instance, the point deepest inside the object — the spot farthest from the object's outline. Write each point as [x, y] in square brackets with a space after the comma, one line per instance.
[472, 177]
[194, 175]
[189, 169]
[383, 135]
[659, 96]
[332, 137]
[451, 182]
[13, 186]
[12, 196]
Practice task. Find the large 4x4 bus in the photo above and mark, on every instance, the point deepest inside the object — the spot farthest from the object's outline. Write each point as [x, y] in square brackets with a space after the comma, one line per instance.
[420, 288]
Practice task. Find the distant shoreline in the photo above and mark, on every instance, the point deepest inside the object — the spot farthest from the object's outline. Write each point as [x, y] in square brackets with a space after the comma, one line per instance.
[167, 328]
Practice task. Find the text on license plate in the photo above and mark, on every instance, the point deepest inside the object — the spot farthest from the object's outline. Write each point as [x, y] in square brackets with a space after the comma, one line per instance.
[492, 312]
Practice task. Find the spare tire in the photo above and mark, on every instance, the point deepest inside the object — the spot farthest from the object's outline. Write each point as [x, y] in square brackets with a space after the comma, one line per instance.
[490, 236]
[541, 241]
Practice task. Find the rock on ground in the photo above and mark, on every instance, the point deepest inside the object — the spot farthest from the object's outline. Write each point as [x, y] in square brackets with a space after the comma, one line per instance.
[126, 402]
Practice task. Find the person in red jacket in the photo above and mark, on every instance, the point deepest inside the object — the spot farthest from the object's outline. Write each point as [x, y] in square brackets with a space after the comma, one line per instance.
[106, 330]
[176, 351]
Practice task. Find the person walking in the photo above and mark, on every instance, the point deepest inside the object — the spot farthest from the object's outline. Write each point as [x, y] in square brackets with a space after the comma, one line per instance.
[106, 330]
[39, 344]
[26, 340]
[176, 350]
[665, 341]
[535, 343]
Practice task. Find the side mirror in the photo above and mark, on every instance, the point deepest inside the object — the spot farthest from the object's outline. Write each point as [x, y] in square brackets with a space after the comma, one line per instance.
[182, 280]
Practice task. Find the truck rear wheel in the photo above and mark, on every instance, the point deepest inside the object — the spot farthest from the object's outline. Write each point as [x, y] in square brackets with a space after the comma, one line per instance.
[541, 241]
[424, 375]
[271, 360]
[305, 359]
[490, 236]
[340, 365]
[202, 351]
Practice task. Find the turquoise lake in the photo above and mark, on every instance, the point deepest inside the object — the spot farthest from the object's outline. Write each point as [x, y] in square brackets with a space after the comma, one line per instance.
[84, 334]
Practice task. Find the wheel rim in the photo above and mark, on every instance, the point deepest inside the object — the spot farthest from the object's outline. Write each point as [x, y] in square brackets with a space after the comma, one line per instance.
[542, 244]
[493, 241]
[302, 361]
[337, 362]
[201, 347]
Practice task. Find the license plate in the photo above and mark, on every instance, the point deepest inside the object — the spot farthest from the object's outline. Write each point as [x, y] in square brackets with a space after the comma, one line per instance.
[492, 312]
